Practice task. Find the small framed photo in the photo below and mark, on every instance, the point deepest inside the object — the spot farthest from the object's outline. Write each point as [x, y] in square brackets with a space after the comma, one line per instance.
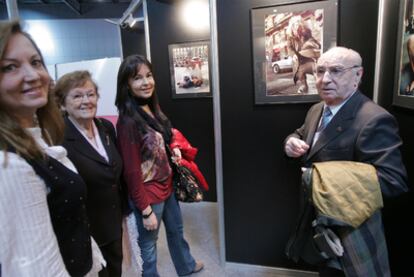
[287, 42]
[189, 66]
[404, 69]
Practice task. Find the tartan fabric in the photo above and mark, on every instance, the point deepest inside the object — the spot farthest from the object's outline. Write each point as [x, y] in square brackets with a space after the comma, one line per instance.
[365, 249]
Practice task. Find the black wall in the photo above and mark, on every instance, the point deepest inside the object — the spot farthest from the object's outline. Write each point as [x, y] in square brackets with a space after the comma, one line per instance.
[194, 116]
[133, 41]
[260, 185]
[398, 229]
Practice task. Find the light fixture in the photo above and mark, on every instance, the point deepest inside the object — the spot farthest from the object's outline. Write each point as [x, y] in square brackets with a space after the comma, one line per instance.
[129, 22]
[127, 19]
[195, 14]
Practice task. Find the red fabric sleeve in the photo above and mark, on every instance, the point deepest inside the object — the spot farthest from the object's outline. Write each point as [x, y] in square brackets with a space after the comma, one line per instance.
[129, 147]
[192, 166]
[179, 141]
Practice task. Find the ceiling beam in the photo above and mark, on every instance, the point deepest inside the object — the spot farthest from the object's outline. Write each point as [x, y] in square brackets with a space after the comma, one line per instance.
[74, 5]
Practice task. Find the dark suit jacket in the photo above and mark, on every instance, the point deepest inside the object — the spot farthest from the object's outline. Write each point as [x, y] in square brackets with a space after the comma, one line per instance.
[364, 132]
[103, 179]
[361, 131]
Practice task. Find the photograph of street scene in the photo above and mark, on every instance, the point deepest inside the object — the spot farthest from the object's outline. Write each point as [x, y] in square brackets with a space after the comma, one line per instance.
[190, 68]
[293, 44]
[406, 78]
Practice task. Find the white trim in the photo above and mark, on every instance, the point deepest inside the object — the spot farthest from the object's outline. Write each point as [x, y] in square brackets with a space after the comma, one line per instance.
[276, 271]
[215, 81]
[12, 9]
[378, 60]
[120, 44]
[147, 32]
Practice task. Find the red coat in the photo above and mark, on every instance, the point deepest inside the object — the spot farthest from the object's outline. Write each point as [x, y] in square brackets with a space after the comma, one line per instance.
[188, 153]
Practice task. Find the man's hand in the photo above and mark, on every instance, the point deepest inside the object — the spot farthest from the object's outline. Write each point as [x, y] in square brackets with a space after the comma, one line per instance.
[295, 147]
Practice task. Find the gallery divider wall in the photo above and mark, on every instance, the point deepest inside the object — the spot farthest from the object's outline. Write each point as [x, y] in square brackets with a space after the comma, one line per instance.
[398, 229]
[192, 116]
[261, 187]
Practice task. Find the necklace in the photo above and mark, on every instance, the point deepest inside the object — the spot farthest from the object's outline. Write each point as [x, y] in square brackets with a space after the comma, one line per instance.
[89, 136]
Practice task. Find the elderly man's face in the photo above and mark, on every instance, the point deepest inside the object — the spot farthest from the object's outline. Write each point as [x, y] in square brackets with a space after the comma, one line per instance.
[337, 77]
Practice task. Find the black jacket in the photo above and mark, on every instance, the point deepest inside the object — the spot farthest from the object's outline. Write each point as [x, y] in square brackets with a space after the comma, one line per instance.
[106, 197]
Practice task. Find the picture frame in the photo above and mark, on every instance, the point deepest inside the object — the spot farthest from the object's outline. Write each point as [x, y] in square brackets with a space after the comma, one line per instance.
[189, 69]
[404, 73]
[287, 40]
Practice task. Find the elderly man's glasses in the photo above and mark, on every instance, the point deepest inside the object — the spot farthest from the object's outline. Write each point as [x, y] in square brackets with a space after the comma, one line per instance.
[334, 71]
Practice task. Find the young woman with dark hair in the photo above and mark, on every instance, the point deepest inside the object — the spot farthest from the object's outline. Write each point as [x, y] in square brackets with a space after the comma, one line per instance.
[143, 133]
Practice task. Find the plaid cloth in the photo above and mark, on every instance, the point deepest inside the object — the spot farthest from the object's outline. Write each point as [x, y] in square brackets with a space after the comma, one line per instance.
[365, 249]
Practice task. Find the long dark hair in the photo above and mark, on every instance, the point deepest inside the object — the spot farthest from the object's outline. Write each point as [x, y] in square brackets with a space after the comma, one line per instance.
[127, 104]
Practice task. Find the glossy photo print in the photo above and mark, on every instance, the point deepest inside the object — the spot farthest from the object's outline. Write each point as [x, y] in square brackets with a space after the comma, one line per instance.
[287, 42]
[189, 65]
[404, 87]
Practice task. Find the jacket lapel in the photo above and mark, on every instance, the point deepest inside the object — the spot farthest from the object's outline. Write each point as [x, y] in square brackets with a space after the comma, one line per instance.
[313, 123]
[79, 143]
[339, 124]
[105, 138]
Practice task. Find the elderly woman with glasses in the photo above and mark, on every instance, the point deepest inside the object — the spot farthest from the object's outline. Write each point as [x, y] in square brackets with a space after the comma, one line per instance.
[91, 146]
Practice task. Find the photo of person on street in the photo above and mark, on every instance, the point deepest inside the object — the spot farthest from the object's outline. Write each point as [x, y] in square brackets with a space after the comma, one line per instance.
[189, 68]
[293, 43]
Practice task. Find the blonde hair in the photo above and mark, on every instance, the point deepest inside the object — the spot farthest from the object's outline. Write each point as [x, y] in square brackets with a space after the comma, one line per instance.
[12, 135]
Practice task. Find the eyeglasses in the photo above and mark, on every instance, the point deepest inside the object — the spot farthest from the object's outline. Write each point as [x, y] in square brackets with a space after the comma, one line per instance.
[78, 98]
[334, 71]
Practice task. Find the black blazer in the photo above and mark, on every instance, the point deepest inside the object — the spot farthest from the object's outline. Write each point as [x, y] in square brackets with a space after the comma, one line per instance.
[105, 190]
[361, 131]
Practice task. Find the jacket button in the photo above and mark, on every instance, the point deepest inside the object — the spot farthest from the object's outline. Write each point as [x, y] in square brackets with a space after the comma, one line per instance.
[50, 167]
[71, 182]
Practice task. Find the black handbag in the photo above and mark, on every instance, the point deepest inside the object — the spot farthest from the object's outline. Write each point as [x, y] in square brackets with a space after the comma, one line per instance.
[185, 185]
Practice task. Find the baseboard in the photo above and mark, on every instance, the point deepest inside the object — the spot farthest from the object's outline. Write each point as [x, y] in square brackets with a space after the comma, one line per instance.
[257, 269]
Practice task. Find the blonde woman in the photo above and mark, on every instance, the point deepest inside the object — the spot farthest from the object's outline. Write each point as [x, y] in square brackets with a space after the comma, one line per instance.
[43, 223]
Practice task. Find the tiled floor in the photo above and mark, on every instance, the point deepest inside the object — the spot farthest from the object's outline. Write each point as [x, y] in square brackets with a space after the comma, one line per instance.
[201, 232]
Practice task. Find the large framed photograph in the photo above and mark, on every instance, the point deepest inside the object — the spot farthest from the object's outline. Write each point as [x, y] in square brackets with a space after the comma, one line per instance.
[189, 65]
[287, 42]
[404, 72]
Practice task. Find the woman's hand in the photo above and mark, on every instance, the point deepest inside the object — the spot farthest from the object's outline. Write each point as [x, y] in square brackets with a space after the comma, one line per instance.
[150, 223]
[176, 154]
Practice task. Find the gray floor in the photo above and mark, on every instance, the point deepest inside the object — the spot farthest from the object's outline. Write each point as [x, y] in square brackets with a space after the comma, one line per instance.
[201, 232]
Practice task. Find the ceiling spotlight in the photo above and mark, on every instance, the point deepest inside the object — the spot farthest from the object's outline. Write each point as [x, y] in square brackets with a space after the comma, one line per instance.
[130, 21]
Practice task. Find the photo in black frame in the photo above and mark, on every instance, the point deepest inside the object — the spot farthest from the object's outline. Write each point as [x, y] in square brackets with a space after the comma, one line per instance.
[404, 66]
[189, 69]
[287, 41]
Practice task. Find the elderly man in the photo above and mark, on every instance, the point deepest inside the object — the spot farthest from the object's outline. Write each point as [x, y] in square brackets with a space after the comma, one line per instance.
[347, 126]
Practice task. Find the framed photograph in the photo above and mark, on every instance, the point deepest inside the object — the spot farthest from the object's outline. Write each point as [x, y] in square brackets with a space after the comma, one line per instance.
[189, 65]
[287, 42]
[404, 71]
